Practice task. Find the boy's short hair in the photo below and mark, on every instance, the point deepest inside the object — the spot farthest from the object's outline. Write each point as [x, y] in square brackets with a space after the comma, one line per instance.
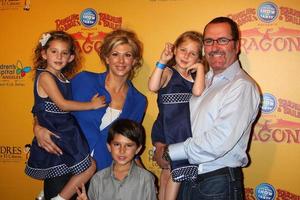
[128, 128]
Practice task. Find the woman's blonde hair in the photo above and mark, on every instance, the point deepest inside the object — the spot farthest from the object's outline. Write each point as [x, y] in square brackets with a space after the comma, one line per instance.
[120, 37]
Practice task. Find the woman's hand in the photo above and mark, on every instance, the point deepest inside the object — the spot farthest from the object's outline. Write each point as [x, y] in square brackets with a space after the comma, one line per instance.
[44, 140]
[81, 195]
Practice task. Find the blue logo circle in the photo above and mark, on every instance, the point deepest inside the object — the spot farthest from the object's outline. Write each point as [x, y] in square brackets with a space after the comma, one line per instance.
[269, 103]
[265, 191]
[89, 17]
[267, 12]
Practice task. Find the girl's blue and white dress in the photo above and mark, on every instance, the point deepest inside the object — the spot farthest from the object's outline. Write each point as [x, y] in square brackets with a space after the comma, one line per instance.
[75, 158]
[173, 122]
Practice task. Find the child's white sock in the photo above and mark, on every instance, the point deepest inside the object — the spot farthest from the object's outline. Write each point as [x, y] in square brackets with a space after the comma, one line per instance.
[58, 197]
[41, 196]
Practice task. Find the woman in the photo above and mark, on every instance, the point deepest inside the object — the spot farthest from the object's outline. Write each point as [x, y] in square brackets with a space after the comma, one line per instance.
[121, 52]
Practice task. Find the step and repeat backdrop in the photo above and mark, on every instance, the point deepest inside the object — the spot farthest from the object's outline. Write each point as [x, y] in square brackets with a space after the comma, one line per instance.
[270, 53]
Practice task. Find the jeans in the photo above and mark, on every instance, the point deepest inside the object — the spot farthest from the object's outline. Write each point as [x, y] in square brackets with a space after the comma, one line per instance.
[220, 186]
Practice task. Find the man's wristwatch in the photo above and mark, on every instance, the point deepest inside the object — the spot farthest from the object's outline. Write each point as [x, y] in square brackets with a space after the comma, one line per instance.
[166, 155]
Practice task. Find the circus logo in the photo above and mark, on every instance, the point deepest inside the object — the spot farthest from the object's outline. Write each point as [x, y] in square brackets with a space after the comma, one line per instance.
[269, 103]
[289, 108]
[267, 12]
[279, 121]
[89, 27]
[269, 28]
[89, 17]
[265, 191]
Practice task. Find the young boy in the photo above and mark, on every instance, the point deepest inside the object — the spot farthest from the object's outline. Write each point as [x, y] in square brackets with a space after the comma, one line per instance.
[123, 179]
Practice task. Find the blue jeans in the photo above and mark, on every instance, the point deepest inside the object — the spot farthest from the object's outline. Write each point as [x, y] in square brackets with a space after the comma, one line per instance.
[219, 186]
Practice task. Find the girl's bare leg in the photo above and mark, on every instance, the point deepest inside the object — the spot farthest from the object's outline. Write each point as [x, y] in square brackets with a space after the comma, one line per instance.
[164, 177]
[70, 188]
[172, 189]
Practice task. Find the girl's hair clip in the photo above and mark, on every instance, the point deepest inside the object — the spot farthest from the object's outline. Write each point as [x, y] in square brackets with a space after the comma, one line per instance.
[44, 39]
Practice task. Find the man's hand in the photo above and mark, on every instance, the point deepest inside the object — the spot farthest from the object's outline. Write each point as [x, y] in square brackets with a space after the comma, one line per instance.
[157, 157]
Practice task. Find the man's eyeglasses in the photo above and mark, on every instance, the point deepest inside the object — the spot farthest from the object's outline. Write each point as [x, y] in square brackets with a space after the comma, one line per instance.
[220, 41]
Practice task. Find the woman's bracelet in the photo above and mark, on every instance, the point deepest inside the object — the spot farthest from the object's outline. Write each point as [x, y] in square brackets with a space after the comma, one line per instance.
[160, 65]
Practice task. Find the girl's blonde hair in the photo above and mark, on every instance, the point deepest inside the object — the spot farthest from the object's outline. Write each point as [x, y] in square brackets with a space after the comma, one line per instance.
[191, 35]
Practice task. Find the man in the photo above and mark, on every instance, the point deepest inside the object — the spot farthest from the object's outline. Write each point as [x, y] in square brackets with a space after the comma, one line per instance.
[221, 120]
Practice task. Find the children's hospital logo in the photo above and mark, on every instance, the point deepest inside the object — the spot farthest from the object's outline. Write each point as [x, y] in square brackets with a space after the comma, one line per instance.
[275, 28]
[20, 70]
[13, 74]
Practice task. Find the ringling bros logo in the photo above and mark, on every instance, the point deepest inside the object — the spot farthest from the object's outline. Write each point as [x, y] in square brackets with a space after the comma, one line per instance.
[271, 38]
[272, 129]
[265, 191]
[13, 74]
[89, 20]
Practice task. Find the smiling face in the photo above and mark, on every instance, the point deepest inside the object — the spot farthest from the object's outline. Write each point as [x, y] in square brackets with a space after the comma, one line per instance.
[123, 150]
[220, 57]
[121, 60]
[58, 55]
[187, 53]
